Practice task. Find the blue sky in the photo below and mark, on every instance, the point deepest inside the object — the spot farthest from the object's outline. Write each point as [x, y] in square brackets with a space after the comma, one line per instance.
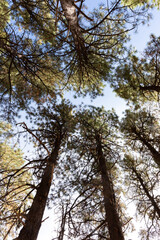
[109, 100]
[139, 40]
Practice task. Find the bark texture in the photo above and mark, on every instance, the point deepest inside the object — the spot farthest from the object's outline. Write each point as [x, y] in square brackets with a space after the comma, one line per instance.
[34, 218]
[71, 16]
[112, 217]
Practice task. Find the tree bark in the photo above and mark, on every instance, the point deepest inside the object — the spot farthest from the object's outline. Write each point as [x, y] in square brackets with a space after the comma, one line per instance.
[71, 16]
[34, 218]
[112, 217]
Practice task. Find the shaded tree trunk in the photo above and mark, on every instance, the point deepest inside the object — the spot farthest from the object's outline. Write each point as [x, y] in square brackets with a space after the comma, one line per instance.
[150, 88]
[112, 217]
[34, 218]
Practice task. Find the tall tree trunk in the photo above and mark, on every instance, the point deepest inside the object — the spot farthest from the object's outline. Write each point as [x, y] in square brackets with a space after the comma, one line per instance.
[154, 204]
[71, 16]
[34, 218]
[112, 217]
[154, 152]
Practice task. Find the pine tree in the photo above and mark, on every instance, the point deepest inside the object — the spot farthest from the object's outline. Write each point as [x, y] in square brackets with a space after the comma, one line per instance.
[15, 183]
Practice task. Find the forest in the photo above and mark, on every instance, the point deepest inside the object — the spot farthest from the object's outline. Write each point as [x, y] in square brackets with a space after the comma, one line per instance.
[82, 160]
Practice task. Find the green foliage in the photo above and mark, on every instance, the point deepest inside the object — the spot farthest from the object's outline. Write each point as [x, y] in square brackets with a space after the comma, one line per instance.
[4, 13]
[14, 189]
[137, 79]
[145, 121]
[35, 17]
[147, 3]
[97, 119]
[40, 54]
[141, 130]
[51, 119]
[40, 57]
[79, 185]
[143, 180]
[140, 133]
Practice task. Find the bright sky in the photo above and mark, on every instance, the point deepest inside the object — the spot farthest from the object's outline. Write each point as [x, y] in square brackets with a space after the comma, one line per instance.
[109, 101]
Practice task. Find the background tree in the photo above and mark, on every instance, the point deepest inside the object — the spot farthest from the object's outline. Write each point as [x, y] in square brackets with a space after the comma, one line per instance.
[150, 4]
[142, 179]
[87, 203]
[44, 49]
[54, 127]
[98, 128]
[15, 183]
[138, 78]
[141, 129]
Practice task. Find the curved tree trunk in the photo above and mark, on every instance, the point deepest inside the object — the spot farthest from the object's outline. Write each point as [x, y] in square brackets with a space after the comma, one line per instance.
[112, 217]
[34, 218]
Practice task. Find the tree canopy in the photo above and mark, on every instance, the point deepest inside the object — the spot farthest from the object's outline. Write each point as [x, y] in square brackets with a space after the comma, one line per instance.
[138, 78]
[15, 186]
[45, 48]
[82, 160]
